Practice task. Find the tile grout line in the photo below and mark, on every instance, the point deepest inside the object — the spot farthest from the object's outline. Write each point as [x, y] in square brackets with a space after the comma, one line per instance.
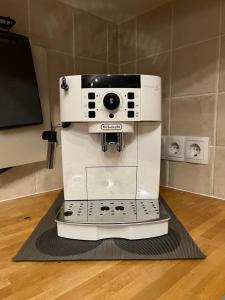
[86, 12]
[118, 49]
[54, 50]
[220, 146]
[216, 102]
[107, 47]
[93, 59]
[119, 65]
[118, 61]
[74, 41]
[36, 173]
[170, 85]
[146, 57]
[194, 95]
[28, 17]
[174, 49]
[28, 195]
[195, 193]
[136, 45]
[216, 37]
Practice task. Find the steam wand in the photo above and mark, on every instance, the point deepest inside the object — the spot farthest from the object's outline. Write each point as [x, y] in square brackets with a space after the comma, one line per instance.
[51, 137]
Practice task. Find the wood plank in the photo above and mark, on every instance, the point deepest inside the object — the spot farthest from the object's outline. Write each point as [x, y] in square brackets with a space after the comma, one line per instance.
[204, 217]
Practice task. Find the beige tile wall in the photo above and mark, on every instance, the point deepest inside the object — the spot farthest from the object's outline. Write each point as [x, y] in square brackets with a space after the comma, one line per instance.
[184, 43]
[76, 42]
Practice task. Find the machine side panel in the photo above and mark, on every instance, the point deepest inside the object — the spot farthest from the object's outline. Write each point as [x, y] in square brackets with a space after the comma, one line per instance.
[74, 175]
[150, 98]
[149, 148]
[70, 101]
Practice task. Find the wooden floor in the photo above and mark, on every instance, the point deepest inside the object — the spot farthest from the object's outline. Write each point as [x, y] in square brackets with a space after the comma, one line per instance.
[188, 279]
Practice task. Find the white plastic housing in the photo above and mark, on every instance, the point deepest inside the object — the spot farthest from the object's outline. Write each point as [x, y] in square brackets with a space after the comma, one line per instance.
[97, 127]
[94, 232]
[74, 102]
[88, 172]
[133, 173]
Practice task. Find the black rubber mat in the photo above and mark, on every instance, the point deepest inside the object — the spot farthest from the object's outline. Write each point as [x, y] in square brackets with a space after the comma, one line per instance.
[45, 245]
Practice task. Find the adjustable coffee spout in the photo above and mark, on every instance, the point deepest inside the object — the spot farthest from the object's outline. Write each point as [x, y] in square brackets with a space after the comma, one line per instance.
[114, 139]
[119, 144]
[103, 142]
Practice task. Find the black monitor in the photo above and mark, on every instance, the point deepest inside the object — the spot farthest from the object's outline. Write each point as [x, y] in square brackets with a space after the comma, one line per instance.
[19, 98]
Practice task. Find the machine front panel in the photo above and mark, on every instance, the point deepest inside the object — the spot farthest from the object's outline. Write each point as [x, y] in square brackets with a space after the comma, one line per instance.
[81, 150]
[111, 183]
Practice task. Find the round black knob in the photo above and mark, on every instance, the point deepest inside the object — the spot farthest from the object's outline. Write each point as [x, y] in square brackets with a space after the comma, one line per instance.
[111, 101]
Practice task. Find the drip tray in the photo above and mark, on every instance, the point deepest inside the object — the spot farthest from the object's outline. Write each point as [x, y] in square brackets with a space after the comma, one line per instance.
[109, 211]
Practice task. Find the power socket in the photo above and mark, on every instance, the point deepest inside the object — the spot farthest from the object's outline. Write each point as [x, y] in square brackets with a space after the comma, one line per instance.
[175, 148]
[196, 150]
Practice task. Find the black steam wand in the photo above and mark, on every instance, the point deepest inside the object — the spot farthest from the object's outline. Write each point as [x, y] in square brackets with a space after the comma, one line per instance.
[51, 137]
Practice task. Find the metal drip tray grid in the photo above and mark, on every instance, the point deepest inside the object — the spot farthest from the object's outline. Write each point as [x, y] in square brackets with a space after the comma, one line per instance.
[109, 211]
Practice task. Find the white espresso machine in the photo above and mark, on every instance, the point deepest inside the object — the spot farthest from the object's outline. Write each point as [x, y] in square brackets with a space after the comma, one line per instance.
[111, 157]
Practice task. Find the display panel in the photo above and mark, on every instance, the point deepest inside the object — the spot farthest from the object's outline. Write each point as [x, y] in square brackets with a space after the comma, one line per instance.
[111, 81]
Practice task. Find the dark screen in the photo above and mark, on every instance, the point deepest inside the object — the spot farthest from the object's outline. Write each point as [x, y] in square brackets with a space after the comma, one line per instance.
[19, 97]
[111, 81]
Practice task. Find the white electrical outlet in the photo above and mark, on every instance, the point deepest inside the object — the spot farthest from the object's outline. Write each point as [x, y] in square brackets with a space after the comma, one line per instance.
[175, 148]
[196, 150]
[163, 147]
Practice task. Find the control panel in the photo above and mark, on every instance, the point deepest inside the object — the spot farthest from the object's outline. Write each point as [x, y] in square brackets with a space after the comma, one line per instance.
[100, 98]
[115, 104]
